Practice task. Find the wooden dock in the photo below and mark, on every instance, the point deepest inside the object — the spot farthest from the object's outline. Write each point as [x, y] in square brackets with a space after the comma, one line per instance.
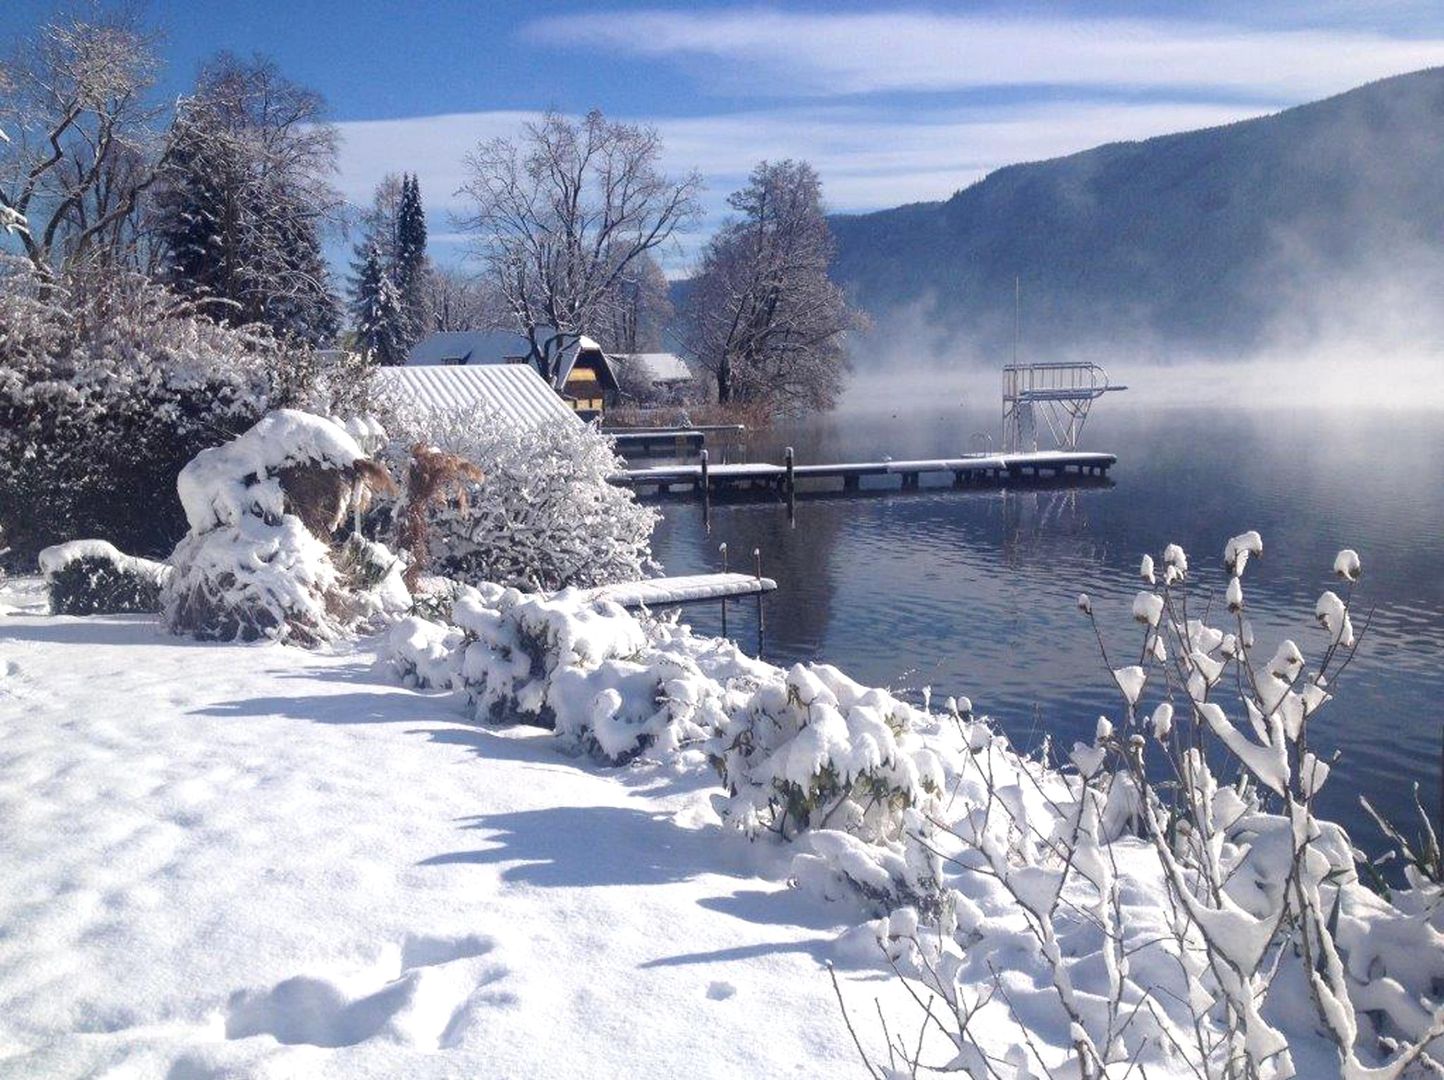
[687, 589]
[682, 441]
[665, 592]
[972, 470]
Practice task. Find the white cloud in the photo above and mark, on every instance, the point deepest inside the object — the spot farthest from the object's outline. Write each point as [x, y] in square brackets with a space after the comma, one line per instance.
[830, 53]
[868, 157]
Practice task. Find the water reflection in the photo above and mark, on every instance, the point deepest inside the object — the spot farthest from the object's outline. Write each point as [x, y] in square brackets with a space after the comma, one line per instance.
[973, 591]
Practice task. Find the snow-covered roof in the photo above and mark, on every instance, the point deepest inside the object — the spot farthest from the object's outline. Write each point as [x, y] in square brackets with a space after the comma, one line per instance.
[515, 391]
[657, 367]
[467, 347]
[585, 346]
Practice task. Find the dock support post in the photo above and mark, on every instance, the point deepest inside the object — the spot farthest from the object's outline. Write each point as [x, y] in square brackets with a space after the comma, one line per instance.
[761, 619]
[791, 488]
[706, 496]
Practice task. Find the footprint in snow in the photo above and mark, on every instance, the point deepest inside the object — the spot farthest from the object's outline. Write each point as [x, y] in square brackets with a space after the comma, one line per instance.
[424, 992]
[720, 991]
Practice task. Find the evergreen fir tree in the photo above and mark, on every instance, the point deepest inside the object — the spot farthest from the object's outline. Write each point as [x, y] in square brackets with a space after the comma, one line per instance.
[411, 269]
[377, 309]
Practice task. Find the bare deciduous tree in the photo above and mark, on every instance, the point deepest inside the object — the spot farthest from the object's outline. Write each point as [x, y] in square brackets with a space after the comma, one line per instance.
[762, 315]
[562, 214]
[640, 310]
[458, 301]
[81, 147]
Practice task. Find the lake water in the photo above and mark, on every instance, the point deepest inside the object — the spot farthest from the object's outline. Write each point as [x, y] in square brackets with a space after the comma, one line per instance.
[974, 592]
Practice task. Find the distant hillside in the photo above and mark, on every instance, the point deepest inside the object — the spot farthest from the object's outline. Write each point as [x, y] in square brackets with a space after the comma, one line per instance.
[1213, 240]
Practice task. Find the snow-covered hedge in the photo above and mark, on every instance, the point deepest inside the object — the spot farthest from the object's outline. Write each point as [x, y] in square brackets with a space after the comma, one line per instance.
[108, 387]
[799, 749]
[249, 567]
[590, 670]
[544, 517]
[91, 577]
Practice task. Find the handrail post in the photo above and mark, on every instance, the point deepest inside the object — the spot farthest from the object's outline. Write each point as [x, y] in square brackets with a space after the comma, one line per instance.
[791, 487]
[723, 549]
[761, 619]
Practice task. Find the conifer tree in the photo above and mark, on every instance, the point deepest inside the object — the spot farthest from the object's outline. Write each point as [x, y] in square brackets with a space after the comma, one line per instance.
[377, 309]
[411, 268]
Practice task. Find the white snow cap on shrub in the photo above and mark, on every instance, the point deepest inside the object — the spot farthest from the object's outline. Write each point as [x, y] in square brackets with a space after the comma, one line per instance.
[247, 569]
[225, 483]
[1333, 616]
[1346, 564]
[54, 559]
[1237, 551]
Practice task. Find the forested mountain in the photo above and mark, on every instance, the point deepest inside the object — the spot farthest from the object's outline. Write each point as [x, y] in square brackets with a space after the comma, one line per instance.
[1217, 241]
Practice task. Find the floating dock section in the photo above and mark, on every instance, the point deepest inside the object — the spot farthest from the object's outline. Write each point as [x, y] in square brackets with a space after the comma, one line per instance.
[687, 589]
[681, 441]
[980, 470]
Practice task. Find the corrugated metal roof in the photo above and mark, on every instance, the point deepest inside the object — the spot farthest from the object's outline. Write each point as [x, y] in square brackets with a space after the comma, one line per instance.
[515, 391]
[467, 347]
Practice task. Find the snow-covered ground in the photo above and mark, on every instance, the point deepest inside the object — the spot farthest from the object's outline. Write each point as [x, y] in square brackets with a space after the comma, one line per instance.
[253, 860]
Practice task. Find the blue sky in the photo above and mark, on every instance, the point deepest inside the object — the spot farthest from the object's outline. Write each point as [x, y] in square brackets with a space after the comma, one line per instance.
[893, 103]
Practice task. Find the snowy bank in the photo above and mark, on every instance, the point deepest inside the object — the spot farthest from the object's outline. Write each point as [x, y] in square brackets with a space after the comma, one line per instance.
[277, 862]
[229, 860]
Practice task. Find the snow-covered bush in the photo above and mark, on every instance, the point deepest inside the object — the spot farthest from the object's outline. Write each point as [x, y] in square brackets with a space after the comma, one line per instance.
[1140, 911]
[108, 386]
[814, 749]
[607, 683]
[801, 749]
[544, 518]
[91, 577]
[250, 567]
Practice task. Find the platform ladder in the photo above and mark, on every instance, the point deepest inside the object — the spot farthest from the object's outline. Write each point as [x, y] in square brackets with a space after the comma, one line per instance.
[1061, 392]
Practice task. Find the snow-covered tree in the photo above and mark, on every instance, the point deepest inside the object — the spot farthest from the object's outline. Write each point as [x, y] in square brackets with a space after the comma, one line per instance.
[244, 197]
[80, 150]
[395, 226]
[261, 509]
[762, 314]
[641, 309]
[411, 267]
[380, 322]
[562, 214]
[458, 301]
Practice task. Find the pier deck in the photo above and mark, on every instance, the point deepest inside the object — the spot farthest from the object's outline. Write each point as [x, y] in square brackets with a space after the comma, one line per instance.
[679, 440]
[968, 470]
[686, 589]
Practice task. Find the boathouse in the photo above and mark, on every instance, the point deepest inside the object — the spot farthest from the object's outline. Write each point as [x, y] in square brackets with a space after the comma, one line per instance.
[514, 393]
[584, 378]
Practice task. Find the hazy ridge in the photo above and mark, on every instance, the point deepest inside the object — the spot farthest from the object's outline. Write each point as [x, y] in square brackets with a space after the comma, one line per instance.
[1322, 225]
